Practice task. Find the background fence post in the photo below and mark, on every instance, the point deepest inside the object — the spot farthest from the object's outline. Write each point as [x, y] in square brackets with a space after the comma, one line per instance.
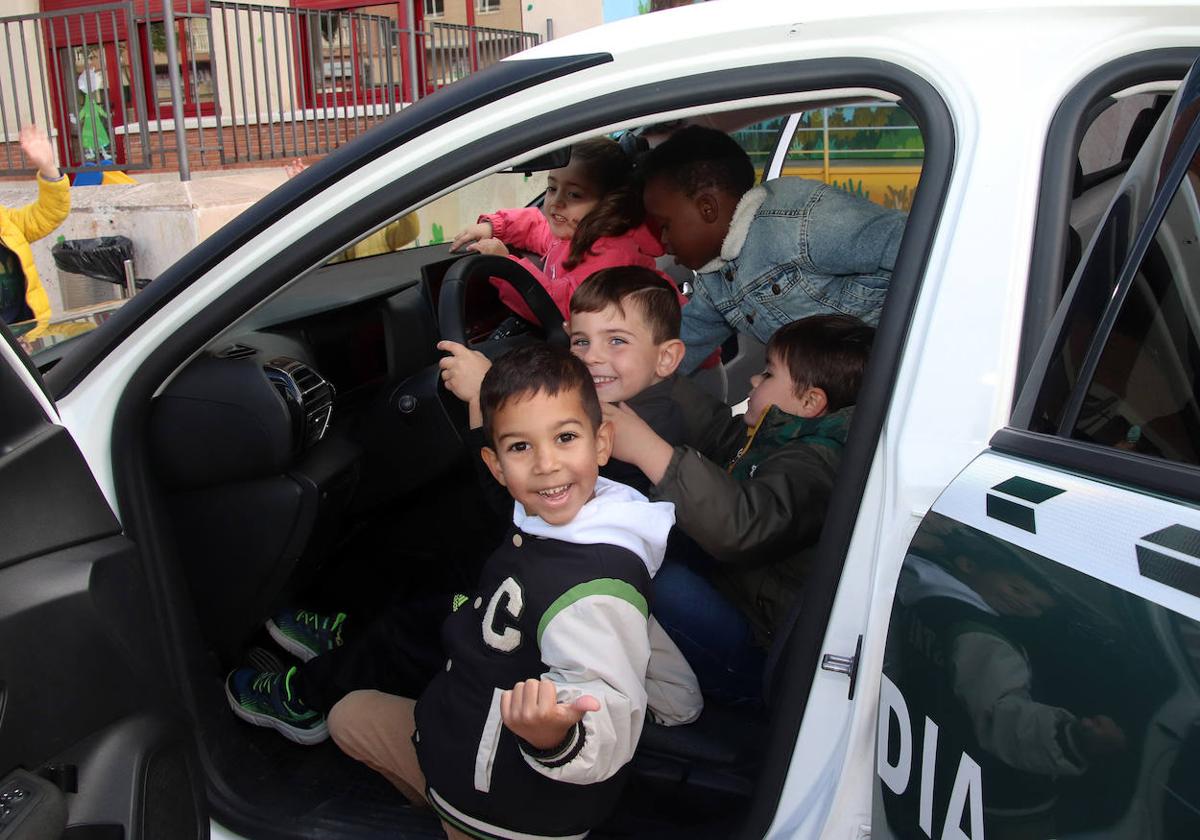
[417, 85]
[185, 172]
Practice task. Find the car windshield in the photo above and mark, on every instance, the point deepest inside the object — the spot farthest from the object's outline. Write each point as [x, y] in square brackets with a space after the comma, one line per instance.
[62, 329]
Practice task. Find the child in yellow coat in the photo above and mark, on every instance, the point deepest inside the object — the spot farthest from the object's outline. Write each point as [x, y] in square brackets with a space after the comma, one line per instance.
[22, 297]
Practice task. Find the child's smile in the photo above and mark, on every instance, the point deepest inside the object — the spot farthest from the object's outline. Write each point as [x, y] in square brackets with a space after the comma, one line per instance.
[548, 454]
[570, 195]
[618, 349]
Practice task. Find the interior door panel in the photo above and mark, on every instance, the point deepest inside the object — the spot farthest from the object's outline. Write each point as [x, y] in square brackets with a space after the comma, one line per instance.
[85, 695]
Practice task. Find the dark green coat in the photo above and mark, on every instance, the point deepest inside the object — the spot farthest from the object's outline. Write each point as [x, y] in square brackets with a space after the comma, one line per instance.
[759, 512]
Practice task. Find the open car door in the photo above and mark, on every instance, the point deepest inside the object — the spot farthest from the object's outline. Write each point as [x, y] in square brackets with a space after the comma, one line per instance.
[1042, 671]
[92, 737]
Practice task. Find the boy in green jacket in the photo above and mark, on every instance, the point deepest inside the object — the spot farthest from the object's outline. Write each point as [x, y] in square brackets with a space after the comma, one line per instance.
[755, 503]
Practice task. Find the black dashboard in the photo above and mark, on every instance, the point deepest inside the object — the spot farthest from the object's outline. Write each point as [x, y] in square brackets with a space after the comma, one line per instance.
[314, 411]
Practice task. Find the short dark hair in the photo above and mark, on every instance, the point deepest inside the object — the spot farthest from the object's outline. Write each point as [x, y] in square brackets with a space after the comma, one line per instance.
[536, 368]
[825, 351]
[654, 296]
[697, 158]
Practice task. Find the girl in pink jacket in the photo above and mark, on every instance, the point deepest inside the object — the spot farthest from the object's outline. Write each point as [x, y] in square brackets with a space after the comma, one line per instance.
[592, 218]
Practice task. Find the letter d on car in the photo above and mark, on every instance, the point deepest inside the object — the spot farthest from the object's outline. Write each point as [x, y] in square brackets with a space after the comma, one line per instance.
[891, 704]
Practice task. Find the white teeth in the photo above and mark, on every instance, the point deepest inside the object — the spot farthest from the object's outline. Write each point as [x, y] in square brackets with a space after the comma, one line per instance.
[554, 491]
[603, 380]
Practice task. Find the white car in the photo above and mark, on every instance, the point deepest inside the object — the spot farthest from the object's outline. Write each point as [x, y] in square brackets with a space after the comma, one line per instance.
[1001, 636]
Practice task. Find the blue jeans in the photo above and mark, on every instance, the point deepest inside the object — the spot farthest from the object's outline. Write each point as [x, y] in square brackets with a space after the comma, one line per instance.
[714, 636]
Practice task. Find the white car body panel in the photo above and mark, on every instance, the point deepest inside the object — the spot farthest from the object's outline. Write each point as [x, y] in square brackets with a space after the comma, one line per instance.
[956, 380]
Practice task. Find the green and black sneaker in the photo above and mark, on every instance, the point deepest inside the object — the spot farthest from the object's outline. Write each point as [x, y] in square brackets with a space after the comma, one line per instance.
[305, 634]
[265, 698]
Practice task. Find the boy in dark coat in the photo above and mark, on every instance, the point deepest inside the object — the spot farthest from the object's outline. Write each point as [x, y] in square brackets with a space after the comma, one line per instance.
[755, 503]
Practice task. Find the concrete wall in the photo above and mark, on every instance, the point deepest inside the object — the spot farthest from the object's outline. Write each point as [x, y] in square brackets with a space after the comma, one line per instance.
[567, 16]
[166, 218]
[507, 17]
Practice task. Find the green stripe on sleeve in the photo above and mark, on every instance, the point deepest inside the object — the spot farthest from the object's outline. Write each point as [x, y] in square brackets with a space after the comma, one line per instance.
[600, 586]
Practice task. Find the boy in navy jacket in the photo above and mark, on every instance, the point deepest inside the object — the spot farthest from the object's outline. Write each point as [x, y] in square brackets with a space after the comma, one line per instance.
[543, 695]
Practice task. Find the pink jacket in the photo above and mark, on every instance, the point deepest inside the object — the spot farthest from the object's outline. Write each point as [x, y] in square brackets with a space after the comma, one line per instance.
[527, 228]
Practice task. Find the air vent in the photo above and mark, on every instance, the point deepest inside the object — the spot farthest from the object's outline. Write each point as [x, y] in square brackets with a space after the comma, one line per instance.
[236, 351]
[309, 398]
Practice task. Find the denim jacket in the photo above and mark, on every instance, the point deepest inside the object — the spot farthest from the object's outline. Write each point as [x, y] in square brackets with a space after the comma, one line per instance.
[795, 248]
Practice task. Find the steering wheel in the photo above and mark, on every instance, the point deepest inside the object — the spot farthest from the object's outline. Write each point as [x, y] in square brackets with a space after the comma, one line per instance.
[452, 320]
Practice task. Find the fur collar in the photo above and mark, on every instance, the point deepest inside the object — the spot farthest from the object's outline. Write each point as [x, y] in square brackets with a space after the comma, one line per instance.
[739, 228]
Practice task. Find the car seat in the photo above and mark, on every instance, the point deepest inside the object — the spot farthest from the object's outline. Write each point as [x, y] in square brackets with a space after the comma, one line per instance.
[721, 751]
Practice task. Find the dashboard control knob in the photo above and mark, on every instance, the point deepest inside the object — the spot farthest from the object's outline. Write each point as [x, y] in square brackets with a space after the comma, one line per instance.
[407, 404]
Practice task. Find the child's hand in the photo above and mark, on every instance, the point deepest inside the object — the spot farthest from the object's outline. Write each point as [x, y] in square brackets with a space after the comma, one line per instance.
[36, 146]
[532, 711]
[463, 371]
[1099, 736]
[634, 442]
[294, 167]
[472, 233]
[489, 246]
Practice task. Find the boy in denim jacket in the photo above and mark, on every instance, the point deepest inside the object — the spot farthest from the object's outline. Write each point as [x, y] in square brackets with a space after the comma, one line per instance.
[768, 255]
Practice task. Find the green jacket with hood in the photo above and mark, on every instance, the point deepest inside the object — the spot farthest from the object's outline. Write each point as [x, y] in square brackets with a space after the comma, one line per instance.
[758, 506]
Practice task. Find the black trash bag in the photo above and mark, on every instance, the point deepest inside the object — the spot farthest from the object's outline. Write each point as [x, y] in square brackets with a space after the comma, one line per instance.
[101, 259]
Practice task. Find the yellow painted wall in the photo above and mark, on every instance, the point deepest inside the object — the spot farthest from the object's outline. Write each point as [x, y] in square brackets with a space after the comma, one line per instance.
[889, 185]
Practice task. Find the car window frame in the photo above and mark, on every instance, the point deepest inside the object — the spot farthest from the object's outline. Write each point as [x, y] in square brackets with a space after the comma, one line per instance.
[1156, 475]
[799, 660]
[1070, 123]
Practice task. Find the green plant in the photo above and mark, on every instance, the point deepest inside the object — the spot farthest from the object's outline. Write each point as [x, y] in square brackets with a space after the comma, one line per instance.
[852, 188]
[899, 199]
[438, 234]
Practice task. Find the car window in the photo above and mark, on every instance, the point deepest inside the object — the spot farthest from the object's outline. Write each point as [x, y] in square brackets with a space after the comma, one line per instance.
[437, 222]
[1142, 396]
[874, 151]
[759, 140]
[1117, 134]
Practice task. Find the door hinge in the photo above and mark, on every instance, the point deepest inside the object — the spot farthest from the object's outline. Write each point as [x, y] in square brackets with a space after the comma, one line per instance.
[847, 665]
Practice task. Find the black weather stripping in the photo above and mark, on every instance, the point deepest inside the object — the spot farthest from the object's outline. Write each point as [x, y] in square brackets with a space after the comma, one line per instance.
[1166, 569]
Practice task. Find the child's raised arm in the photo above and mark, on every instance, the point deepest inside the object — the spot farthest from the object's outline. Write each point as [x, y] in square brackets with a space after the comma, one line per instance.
[36, 146]
[634, 442]
[463, 372]
[596, 650]
[471, 233]
[735, 520]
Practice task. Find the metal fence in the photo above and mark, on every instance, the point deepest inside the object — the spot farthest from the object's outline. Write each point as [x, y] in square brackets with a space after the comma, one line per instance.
[454, 51]
[214, 83]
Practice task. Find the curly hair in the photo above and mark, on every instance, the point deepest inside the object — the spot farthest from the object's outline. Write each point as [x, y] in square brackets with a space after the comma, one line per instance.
[620, 208]
[697, 158]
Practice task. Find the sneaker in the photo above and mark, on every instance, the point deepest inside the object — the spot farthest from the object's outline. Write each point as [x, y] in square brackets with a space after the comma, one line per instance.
[265, 698]
[305, 634]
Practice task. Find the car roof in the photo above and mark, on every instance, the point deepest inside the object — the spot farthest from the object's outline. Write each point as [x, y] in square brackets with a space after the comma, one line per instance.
[722, 21]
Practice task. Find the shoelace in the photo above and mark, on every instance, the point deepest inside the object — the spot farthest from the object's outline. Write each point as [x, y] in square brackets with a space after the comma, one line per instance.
[265, 682]
[317, 623]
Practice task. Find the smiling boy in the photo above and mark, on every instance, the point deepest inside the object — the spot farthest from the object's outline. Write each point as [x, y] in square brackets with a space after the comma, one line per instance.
[754, 503]
[529, 729]
[625, 327]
